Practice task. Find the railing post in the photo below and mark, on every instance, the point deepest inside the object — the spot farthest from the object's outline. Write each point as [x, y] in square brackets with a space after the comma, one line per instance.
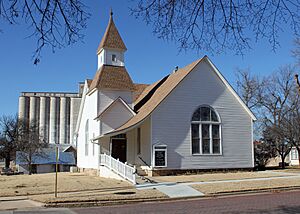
[134, 173]
[118, 166]
[125, 169]
[109, 157]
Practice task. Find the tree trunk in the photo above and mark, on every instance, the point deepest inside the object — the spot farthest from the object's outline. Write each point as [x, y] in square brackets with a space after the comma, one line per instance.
[7, 161]
[282, 162]
[298, 150]
[30, 165]
[29, 169]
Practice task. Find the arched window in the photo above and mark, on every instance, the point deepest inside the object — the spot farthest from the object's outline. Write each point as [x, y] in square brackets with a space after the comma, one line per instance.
[87, 138]
[206, 131]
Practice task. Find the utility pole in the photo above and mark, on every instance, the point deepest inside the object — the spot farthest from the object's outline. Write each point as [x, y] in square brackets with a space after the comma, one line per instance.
[56, 169]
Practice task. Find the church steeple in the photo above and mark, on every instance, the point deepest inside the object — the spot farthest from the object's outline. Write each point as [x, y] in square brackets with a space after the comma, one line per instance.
[111, 48]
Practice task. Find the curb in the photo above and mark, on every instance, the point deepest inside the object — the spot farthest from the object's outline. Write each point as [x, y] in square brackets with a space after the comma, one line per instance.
[126, 201]
[17, 198]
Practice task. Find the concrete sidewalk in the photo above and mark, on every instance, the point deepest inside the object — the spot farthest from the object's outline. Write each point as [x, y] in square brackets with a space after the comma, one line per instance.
[15, 203]
[184, 189]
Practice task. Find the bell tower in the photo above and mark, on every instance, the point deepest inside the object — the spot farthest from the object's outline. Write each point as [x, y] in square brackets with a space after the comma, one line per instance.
[112, 48]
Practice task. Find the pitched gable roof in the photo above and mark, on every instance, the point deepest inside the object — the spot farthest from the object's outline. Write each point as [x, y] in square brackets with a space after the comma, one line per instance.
[111, 38]
[120, 100]
[89, 82]
[160, 93]
[159, 90]
[112, 77]
[138, 90]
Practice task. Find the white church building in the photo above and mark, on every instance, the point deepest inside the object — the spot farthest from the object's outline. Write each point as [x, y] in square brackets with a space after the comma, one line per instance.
[191, 119]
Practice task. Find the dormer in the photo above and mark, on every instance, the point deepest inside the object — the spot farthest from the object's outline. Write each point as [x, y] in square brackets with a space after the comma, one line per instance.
[112, 48]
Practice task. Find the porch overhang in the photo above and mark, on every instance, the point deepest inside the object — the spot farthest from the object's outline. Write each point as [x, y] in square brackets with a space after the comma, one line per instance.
[116, 132]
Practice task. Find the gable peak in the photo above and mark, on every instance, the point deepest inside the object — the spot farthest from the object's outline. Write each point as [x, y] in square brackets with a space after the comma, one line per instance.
[111, 38]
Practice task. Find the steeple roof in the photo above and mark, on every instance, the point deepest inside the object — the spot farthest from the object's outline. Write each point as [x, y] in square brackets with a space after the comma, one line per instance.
[112, 77]
[111, 38]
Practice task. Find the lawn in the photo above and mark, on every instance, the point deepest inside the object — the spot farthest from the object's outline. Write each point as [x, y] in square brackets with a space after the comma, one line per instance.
[22, 185]
[247, 185]
[218, 176]
[100, 196]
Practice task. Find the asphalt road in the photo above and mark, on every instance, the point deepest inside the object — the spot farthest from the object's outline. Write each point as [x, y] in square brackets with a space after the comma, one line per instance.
[269, 203]
[284, 202]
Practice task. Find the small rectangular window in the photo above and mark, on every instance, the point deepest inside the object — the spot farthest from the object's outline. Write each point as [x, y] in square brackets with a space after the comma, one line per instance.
[113, 58]
[138, 141]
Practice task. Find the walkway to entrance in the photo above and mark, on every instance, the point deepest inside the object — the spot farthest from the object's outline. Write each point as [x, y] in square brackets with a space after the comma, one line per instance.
[173, 190]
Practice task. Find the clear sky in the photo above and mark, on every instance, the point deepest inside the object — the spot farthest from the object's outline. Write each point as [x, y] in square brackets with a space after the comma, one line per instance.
[147, 58]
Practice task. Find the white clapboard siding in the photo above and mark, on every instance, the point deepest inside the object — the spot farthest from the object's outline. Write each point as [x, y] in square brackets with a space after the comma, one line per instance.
[106, 97]
[89, 112]
[115, 116]
[171, 123]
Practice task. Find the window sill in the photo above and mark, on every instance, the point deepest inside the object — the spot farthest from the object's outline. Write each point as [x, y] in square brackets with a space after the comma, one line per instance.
[207, 154]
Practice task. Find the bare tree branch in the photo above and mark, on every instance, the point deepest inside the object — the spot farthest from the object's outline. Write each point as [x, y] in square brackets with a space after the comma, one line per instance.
[54, 23]
[217, 26]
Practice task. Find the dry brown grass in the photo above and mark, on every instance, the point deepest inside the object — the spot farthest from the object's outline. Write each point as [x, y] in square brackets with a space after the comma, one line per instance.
[290, 170]
[21, 185]
[247, 185]
[215, 176]
[100, 196]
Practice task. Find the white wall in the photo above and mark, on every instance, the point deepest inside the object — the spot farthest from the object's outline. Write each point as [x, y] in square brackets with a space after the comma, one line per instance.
[89, 112]
[106, 97]
[105, 57]
[293, 157]
[114, 117]
[171, 123]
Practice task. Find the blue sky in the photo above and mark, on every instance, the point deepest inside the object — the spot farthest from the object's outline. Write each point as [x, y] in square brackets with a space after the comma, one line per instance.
[147, 59]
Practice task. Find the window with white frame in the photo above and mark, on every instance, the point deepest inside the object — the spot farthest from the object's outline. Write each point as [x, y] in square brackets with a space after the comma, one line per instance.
[87, 138]
[206, 131]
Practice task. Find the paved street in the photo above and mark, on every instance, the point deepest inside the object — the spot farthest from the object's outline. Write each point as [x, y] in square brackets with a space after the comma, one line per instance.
[284, 202]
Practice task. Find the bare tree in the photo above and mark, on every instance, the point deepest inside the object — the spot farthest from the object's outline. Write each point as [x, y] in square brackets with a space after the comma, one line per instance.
[216, 26]
[248, 87]
[297, 82]
[263, 153]
[277, 102]
[274, 136]
[291, 123]
[10, 135]
[296, 51]
[296, 54]
[31, 146]
[54, 23]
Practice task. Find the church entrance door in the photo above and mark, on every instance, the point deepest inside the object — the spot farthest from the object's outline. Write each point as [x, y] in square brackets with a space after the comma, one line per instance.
[119, 149]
